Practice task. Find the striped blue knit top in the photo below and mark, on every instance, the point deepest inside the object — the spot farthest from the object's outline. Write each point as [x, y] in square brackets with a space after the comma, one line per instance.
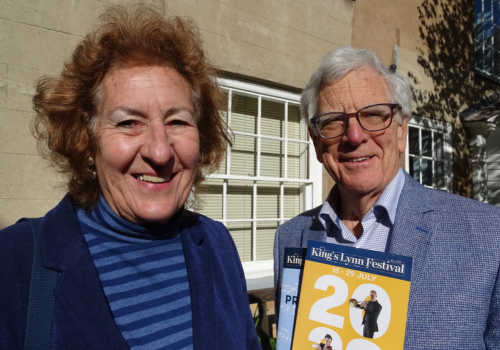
[143, 275]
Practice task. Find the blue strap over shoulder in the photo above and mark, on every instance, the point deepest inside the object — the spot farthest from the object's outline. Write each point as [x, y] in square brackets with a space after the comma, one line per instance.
[41, 297]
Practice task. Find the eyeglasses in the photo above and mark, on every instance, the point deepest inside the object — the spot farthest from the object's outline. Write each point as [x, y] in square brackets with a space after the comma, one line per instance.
[371, 118]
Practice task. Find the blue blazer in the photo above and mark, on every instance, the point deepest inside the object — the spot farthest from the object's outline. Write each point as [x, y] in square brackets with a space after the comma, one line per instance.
[455, 245]
[82, 318]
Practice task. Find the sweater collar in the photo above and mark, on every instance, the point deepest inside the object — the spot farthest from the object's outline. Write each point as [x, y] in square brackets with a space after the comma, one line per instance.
[103, 219]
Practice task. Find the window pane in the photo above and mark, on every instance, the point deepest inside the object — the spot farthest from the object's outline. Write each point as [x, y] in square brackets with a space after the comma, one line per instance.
[413, 141]
[239, 199]
[478, 6]
[272, 158]
[487, 10]
[488, 50]
[440, 175]
[244, 113]
[210, 198]
[291, 200]
[487, 60]
[223, 165]
[244, 156]
[426, 172]
[265, 239]
[223, 112]
[224, 103]
[438, 146]
[479, 32]
[268, 200]
[427, 143]
[242, 236]
[297, 160]
[479, 21]
[496, 13]
[273, 118]
[415, 168]
[479, 55]
[293, 122]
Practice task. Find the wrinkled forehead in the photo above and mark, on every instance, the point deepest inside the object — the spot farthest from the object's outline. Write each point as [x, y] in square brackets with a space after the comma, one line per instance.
[357, 89]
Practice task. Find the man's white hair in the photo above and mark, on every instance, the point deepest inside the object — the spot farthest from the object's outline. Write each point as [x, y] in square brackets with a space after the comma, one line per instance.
[338, 63]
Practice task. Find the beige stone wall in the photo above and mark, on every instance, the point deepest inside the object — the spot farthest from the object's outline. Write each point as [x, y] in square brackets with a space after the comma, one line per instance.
[279, 42]
[35, 38]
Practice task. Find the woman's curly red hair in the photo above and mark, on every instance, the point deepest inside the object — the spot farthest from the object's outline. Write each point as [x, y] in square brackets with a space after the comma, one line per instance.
[68, 106]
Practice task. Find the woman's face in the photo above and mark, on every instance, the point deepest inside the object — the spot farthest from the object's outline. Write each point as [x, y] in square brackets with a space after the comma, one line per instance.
[148, 143]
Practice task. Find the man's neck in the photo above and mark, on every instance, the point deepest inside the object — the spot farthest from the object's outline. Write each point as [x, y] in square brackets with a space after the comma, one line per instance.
[351, 208]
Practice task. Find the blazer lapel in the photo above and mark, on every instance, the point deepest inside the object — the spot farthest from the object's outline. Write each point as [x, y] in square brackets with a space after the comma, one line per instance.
[413, 229]
[315, 232]
[201, 286]
[78, 290]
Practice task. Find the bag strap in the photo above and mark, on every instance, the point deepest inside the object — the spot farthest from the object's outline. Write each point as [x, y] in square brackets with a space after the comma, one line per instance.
[41, 299]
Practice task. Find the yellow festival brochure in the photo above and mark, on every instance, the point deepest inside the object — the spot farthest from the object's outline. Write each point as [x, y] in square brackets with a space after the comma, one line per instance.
[352, 299]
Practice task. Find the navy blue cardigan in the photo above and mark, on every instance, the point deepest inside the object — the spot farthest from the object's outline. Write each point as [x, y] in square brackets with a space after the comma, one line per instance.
[82, 318]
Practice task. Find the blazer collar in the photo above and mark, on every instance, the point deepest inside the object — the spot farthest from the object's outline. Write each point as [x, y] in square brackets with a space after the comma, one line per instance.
[201, 284]
[315, 232]
[414, 227]
[78, 289]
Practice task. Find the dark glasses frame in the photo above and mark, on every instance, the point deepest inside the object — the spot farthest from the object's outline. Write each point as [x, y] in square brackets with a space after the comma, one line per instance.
[346, 116]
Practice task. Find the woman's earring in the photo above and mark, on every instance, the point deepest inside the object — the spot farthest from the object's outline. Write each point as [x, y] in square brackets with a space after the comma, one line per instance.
[91, 167]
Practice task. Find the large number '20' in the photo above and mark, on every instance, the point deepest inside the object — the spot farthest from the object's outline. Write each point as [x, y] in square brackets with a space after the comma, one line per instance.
[319, 311]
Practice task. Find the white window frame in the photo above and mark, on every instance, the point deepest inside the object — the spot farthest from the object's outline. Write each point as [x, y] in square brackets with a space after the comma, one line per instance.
[311, 195]
[444, 129]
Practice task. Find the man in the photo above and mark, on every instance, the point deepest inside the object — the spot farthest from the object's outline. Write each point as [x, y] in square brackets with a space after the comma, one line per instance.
[358, 112]
[372, 310]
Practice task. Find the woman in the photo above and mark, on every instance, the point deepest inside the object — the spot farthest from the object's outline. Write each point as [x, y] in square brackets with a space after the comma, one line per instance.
[326, 345]
[133, 122]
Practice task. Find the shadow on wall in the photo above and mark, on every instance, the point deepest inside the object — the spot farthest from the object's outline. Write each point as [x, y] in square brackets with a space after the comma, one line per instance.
[446, 28]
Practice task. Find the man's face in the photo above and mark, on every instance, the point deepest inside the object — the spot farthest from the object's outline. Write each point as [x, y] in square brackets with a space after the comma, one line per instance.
[328, 342]
[360, 162]
[373, 296]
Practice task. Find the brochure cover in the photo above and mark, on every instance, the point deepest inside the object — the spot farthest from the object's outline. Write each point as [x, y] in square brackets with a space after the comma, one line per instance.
[352, 299]
[290, 282]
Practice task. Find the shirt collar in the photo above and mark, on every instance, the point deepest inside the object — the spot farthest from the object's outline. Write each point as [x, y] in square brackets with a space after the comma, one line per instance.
[388, 199]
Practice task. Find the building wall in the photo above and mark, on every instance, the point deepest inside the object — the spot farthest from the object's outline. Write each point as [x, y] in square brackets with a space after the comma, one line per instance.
[434, 41]
[275, 43]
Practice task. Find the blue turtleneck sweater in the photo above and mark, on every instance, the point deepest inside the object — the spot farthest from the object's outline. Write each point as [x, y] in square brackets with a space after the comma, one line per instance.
[143, 275]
